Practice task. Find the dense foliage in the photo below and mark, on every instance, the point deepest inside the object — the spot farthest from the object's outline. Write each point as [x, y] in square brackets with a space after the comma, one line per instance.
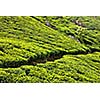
[49, 49]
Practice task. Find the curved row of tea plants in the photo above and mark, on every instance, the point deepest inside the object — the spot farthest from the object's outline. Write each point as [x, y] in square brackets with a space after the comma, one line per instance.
[70, 68]
[66, 24]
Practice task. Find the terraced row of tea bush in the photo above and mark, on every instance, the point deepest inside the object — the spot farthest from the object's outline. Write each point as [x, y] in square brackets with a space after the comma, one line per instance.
[73, 27]
[70, 68]
[89, 22]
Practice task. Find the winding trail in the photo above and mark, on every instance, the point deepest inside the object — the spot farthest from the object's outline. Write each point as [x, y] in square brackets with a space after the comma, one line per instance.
[52, 57]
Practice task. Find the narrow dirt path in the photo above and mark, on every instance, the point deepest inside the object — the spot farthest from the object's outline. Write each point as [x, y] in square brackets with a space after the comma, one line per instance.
[54, 57]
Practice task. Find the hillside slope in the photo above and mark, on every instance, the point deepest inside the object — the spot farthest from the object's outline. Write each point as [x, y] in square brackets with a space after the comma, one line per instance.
[49, 49]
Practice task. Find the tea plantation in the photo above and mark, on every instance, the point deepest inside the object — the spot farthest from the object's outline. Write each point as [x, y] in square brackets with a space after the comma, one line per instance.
[49, 49]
